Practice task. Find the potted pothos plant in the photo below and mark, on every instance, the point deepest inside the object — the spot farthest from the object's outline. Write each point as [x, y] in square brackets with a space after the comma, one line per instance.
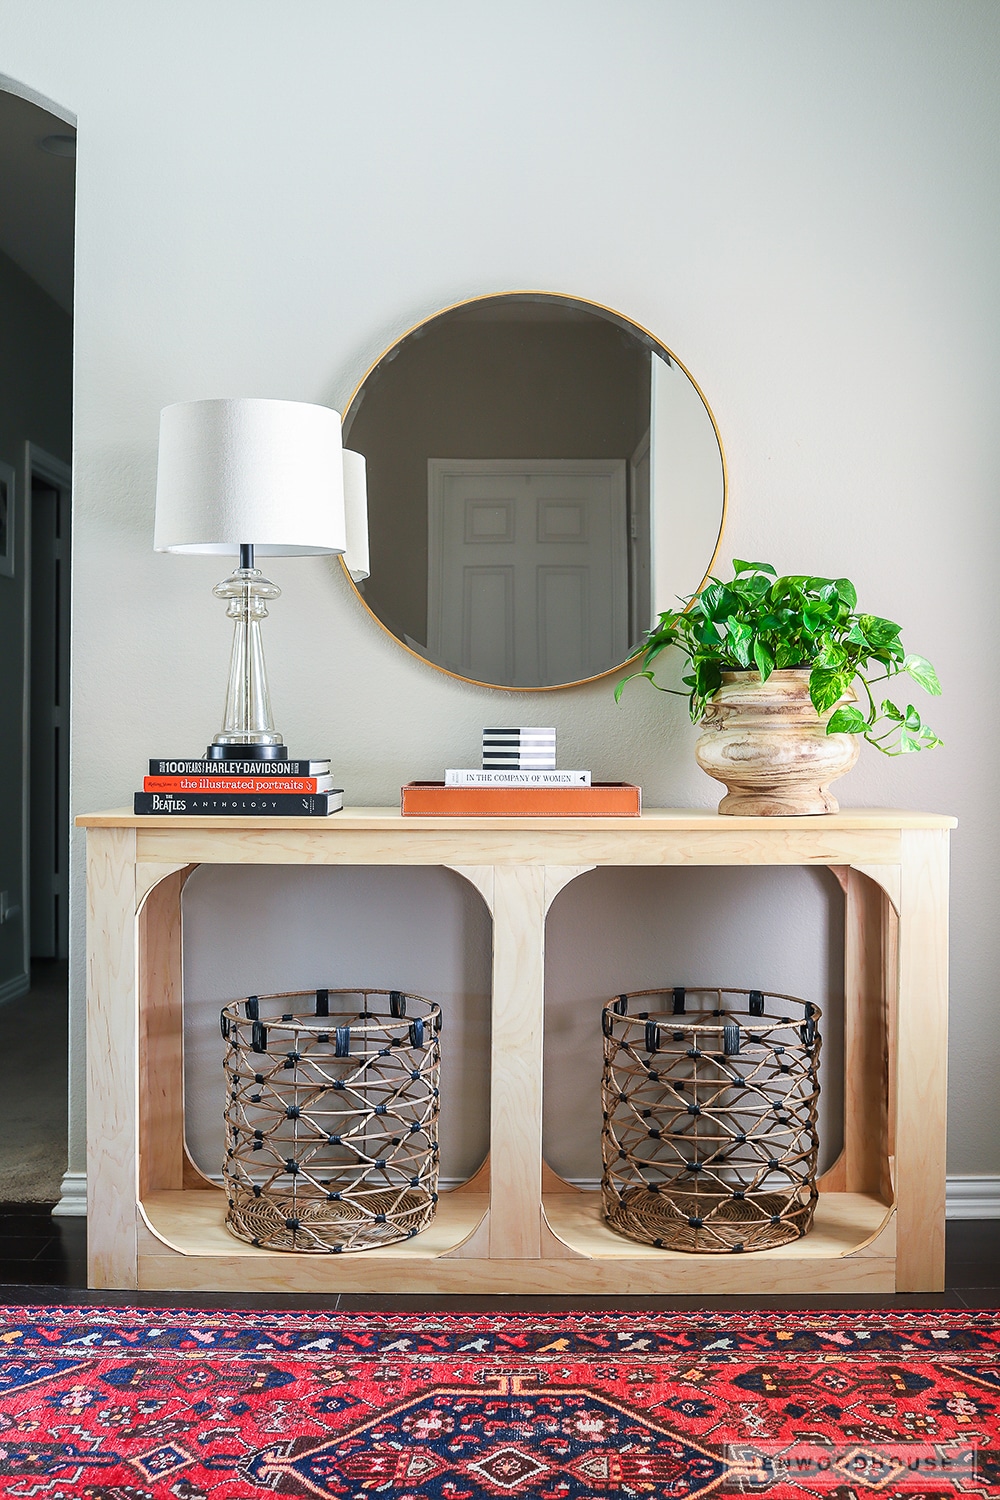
[784, 674]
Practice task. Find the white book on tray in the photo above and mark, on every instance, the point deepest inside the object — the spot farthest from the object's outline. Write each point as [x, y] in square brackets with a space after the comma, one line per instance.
[516, 778]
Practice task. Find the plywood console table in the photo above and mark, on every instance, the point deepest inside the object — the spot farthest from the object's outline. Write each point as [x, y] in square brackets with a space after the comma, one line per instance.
[156, 1223]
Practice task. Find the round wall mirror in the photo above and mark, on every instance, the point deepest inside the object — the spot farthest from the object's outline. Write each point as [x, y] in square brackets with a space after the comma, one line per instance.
[544, 477]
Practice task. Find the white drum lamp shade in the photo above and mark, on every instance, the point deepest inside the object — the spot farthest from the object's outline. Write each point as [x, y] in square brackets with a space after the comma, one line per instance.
[268, 473]
[356, 558]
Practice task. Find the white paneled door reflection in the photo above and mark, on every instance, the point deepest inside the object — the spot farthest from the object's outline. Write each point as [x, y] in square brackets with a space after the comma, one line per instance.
[528, 568]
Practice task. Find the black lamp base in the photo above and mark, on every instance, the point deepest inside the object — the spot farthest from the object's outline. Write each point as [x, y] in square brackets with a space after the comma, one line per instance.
[246, 752]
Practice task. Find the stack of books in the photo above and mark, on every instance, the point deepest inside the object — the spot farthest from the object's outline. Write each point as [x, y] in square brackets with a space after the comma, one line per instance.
[519, 779]
[240, 788]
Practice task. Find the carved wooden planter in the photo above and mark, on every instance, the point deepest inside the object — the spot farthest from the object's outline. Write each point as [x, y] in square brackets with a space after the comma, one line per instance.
[769, 746]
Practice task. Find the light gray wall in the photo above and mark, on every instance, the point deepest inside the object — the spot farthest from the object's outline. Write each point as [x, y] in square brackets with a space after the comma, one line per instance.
[36, 364]
[799, 197]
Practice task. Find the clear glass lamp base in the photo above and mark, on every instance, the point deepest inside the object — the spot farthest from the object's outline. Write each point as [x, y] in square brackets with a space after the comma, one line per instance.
[248, 731]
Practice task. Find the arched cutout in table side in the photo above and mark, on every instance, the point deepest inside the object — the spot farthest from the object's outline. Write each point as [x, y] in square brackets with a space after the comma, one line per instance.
[164, 1162]
[871, 934]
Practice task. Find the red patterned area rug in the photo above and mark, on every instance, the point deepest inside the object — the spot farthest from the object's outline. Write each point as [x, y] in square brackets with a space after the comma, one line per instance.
[134, 1404]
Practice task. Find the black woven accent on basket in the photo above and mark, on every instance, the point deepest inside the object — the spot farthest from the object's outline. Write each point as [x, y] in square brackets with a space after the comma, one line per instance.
[731, 1039]
[397, 1003]
[620, 1006]
[756, 1003]
[417, 1032]
[342, 1042]
[252, 1007]
[258, 1037]
[322, 1002]
[224, 1025]
[680, 995]
[607, 1025]
[652, 1037]
[807, 1031]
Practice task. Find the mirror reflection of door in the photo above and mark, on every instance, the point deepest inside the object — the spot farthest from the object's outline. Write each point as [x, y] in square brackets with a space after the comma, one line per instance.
[527, 578]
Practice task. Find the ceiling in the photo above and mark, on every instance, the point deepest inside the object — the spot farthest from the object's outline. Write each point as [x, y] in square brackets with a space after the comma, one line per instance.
[36, 197]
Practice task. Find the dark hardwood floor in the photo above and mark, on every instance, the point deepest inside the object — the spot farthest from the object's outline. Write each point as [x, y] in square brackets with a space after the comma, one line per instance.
[44, 1260]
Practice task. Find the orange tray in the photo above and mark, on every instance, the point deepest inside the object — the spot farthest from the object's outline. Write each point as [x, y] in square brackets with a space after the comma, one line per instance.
[604, 799]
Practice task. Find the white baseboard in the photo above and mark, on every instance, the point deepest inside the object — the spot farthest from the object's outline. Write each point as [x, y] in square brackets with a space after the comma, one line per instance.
[967, 1197]
[974, 1197]
[14, 988]
[73, 1197]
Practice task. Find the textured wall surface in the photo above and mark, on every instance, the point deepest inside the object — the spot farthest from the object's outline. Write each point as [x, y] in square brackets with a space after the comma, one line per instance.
[799, 198]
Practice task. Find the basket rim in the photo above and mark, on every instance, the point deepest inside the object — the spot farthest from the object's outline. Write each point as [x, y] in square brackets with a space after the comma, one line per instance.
[702, 989]
[309, 1021]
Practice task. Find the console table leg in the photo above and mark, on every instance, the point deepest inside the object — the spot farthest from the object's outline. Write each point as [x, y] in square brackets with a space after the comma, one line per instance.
[112, 1060]
[516, 1047]
[921, 1067]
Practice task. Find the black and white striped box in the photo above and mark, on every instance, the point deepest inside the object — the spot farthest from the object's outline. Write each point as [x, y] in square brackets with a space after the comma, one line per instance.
[519, 749]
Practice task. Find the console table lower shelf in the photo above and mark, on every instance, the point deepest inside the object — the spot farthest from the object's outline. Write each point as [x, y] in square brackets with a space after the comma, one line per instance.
[185, 1246]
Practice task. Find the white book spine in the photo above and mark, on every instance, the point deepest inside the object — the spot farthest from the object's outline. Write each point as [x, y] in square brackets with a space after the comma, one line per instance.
[516, 778]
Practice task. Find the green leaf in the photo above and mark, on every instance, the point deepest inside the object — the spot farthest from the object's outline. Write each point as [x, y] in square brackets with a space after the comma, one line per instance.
[815, 617]
[753, 588]
[920, 669]
[827, 686]
[847, 593]
[878, 631]
[652, 652]
[631, 678]
[764, 659]
[890, 711]
[718, 602]
[847, 721]
[831, 654]
[739, 566]
[708, 678]
[740, 636]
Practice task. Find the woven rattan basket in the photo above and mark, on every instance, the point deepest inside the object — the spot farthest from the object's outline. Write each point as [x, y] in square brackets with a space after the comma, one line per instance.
[709, 1100]
[331, 1118]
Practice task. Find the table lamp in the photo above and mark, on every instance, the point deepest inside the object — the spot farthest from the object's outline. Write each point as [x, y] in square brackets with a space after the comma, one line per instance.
[249, 478]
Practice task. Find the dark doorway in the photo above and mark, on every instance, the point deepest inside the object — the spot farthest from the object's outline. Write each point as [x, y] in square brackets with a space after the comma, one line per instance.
[48, 755]
[37, 191]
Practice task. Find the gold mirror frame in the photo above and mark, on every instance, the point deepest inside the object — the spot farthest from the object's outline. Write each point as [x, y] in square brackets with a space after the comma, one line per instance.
[626, 322]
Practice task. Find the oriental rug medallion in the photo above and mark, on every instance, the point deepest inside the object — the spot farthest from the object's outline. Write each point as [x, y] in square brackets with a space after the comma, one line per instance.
[132, 1404]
